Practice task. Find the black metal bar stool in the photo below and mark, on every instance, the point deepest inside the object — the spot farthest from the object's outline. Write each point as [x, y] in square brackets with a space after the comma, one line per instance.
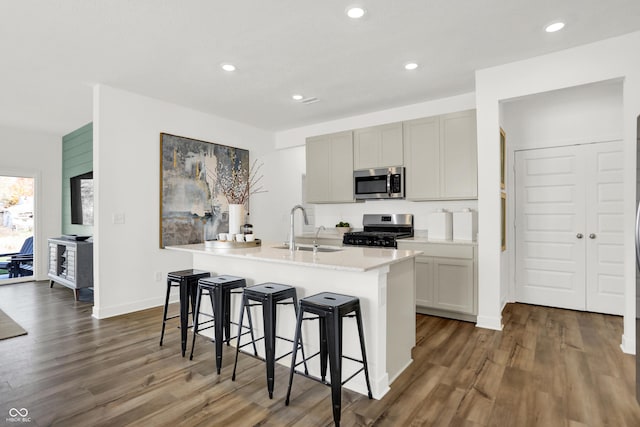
[330, 309]
[267, 295]
[187, 280]
[219, 289]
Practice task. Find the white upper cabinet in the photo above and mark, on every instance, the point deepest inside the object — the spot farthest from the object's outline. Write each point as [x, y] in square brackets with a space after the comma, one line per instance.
[422, 155]
[330, 168]
[441, 157]
[459, 155]
[378, 146]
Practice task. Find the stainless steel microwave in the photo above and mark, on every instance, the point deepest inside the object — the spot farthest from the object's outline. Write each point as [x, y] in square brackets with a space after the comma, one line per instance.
[385, 183]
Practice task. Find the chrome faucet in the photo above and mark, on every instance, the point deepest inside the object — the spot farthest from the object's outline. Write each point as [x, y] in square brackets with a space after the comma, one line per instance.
[292, 238]
[315, 240]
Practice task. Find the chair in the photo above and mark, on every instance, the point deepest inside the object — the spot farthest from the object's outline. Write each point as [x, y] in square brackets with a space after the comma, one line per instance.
[21, 263]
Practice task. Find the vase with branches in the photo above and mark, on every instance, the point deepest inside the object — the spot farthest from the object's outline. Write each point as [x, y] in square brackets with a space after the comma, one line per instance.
[237, 184]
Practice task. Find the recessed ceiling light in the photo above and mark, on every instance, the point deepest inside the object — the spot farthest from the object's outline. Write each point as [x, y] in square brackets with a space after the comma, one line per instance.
[355, 12]
[556, 26]
[228, 67]
[410, 66]
[297, 97]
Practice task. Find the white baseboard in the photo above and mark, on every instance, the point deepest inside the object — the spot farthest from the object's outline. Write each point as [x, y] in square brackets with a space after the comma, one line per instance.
[489, 322]
[106, 312]
[628, 345]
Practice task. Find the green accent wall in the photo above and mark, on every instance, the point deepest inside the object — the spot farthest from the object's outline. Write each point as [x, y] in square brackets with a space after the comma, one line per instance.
[77, 158]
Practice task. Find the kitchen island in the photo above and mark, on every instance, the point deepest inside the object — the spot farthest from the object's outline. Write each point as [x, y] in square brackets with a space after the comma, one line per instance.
[383, 279]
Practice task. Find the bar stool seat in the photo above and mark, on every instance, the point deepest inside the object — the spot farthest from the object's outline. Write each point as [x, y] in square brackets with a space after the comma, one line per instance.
[219, 289]
[267, 295]
[187, 280]
[330, 309]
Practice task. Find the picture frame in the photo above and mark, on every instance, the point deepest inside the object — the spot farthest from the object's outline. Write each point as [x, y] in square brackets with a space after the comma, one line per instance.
[503, 220]
[193, 208]
[503, 143]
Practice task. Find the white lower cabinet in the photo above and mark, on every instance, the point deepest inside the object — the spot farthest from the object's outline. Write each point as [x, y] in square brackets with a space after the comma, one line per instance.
[446, 279]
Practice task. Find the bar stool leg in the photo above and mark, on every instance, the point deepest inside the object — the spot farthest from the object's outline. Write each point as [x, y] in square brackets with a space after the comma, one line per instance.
[269, 316]
[184, 314]
[364, 351]
[166, 309]
[195, 321]
[296, 339]
[322, 327]
[192, 289]
[235, 364]
[304, 358]
[335, 362]
[226, 309]
[216, 305]
[245, 305]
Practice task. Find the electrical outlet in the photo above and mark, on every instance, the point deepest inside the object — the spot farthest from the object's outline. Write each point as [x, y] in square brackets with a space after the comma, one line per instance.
[158, 276]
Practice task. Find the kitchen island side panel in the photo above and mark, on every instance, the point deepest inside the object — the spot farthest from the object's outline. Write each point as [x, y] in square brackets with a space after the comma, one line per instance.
[401, 317]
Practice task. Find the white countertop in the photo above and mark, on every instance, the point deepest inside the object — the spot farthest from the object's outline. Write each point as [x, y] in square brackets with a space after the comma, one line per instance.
[346, 259]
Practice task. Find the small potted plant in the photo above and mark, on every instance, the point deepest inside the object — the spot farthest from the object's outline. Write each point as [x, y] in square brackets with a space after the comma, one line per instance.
[343, 227]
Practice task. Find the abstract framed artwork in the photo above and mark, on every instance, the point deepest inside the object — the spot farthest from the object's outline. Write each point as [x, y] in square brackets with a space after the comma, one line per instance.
[192, 206]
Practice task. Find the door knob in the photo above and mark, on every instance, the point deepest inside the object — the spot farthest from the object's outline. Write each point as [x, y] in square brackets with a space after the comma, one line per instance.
[579, 235]
[592, 236]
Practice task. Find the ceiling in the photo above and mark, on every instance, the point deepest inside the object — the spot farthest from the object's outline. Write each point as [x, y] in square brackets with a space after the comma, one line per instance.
[53, 51]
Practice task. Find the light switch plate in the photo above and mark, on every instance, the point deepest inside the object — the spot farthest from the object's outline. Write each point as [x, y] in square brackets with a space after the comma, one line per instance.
[118, 218]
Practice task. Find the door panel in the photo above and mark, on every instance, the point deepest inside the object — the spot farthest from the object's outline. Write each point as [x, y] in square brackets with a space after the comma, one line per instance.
[605, 223]
[549, 215]
[453, 285]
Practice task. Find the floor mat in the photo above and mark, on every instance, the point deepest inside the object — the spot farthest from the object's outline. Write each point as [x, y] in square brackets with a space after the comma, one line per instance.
[9, 328]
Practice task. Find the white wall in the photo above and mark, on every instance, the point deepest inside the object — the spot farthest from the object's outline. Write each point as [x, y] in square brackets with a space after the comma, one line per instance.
[38, 155]
[284, 170]
[577, 115]
[614, 58]
[126, 156]
[329, 214]
[574, 115]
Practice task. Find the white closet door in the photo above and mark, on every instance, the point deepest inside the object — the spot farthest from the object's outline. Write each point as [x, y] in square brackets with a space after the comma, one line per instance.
[605, 228]
[550, 227]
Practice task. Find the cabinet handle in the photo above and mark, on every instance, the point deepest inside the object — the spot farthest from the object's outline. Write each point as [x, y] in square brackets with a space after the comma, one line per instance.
[579, 235]
[592, 236]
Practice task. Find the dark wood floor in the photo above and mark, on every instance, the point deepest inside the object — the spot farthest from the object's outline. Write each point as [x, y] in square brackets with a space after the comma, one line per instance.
[548, 367]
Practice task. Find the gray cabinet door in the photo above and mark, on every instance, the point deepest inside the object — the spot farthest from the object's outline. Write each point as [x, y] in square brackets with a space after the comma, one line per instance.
[378, 146]
[453, 285]
[424, 281]
[330, 168]
[458, 156]
[422, 158]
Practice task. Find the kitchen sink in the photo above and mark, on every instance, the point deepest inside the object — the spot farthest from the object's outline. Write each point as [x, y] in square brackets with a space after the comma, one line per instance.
[309, 248]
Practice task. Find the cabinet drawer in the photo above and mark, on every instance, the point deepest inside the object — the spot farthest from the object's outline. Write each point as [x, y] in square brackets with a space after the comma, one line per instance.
[439, 250]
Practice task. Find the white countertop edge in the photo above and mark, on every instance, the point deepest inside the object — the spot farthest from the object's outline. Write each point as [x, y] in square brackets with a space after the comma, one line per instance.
[305, 259]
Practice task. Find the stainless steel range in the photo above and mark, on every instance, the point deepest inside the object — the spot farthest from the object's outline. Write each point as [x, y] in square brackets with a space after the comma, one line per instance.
[381, 231]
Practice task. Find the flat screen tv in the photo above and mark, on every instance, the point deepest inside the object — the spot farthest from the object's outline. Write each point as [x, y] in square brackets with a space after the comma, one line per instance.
[82, 199]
